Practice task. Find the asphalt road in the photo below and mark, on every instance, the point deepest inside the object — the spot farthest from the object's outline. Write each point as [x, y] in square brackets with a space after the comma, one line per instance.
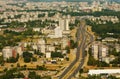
[81, 32]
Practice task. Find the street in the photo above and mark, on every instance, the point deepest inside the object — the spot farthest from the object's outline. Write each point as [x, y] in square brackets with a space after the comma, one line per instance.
[77, 64]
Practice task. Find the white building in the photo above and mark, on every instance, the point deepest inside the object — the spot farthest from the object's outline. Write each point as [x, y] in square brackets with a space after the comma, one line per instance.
[103, 51]
[95, 49]
[58, 32]
[36, 29]
[41, 45]
[41, 41]
[34, 47]
[48, 55]
[109, 39]
[104, 71]
[50, 48]
[64, 24]
[67, 24]
[7, 52]
[61, 24]
[108, 59]
[99, 51]
[19, 50]
[42, 48]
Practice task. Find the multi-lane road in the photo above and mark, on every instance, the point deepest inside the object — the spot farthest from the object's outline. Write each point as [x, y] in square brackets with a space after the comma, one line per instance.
[77, 64]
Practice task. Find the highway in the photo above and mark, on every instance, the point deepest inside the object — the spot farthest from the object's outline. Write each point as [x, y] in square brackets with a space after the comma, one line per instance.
[77, 64]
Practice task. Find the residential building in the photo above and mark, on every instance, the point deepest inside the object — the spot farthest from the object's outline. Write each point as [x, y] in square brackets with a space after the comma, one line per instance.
[64, 24]
[36, 29]
[19, 50]
[58, 32]
[99, 51]
[7, 52]
[48, 54]
[103, 52]
[95, 50]
[103, 71]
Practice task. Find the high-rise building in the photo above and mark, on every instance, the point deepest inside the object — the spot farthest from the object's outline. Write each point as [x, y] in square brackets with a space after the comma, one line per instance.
[64, 24]
[103, 52]
[95, 50]
[41, 45]
[99, 51]
[61, 24]
[67, 24]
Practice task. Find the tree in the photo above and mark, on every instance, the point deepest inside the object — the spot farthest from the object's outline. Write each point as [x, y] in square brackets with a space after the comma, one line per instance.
[34, 59]
[102, 64]
[27, 54]
[68, 49]
[73, 44]
[94, 77]
[92, 61]
[1, 59]
[67, 58]
[41, 67]
[38, 53]
[56, 54]
[112, 77]
[18, 65]
[33, 75]
[27, 59]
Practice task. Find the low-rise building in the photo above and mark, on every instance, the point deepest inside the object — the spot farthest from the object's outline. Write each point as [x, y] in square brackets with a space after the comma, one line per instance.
[103, 71]
[48, 54]
[110, 39]
[36, 29]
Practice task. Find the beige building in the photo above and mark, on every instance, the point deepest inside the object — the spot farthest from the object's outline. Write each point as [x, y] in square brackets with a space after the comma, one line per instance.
[7, 52]
[103, 52]
[95, 50]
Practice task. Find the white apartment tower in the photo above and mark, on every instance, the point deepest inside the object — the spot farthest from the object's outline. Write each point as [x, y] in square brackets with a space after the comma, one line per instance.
[95, 49]
[103, 51]
[99, 51]
[64, 24]
[61, 24]
[67, 24]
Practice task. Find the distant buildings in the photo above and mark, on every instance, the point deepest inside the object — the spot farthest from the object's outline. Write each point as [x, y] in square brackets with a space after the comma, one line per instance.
[61, 29]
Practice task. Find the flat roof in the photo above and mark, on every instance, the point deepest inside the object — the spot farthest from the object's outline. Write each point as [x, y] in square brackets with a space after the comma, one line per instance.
[103, 71]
